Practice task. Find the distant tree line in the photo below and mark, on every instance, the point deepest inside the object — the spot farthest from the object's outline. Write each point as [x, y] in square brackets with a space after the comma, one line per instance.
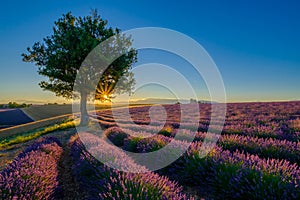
[194, 101]
[14, 105]
[51, 103]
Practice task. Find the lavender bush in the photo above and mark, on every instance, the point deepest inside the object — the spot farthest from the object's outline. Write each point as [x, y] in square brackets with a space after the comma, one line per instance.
[237, 175]
[33, 174]
[233, 174]
[113, 184]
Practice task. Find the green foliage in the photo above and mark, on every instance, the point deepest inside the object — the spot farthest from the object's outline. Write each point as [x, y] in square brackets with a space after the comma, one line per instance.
[166, 131]
[130, 143]
[16, 105]
[116, 136]
[24, 137]
[60, 55]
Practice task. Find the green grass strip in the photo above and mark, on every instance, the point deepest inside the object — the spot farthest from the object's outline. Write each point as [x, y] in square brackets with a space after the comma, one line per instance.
[24, 137]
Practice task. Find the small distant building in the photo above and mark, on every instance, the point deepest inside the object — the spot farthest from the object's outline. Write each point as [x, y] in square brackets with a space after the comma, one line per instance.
[193, 101]
[5, 106]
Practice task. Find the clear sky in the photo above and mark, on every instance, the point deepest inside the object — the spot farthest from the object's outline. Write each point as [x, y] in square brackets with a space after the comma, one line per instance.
[255, 44]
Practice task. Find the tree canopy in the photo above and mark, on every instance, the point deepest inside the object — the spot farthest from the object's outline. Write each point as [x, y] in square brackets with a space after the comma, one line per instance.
[60, 56]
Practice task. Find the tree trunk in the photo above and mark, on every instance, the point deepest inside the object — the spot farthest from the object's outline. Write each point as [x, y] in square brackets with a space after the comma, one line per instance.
[84, 114]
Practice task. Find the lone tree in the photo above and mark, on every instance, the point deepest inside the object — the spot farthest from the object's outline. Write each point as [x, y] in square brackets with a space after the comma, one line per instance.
[60, 56]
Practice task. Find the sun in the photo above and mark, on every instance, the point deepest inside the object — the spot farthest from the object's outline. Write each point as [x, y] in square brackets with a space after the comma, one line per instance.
[106, 98]
[104, 92]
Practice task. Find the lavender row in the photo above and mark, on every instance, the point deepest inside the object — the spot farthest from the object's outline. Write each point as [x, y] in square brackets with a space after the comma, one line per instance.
[263, 147]
[255, 131]
[33, 174]
[229, 174]
[237, 175]
[248, 114]
[108, 183]
[264, 120]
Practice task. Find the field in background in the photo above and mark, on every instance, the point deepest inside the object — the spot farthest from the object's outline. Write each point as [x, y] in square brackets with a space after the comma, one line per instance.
[257, 156]
[13, 117]
[41, 116]
[38, 112]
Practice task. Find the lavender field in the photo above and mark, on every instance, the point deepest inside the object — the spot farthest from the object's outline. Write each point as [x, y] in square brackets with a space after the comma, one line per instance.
[256, 157]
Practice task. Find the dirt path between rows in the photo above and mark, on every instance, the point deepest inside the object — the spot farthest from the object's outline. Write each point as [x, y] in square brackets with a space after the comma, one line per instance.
[68, 188]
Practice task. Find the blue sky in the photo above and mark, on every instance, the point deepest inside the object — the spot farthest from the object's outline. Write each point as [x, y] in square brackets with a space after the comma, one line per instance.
[255, 44]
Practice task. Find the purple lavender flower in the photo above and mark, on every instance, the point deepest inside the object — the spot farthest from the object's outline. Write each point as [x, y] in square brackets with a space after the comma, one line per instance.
[33, 174]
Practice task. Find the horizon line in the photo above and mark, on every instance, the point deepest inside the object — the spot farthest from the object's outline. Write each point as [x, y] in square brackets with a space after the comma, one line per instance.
[37, 102]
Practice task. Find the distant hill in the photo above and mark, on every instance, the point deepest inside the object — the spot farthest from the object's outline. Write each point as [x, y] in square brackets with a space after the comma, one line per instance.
[38, 112]
[157, 101]
[164, 101]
